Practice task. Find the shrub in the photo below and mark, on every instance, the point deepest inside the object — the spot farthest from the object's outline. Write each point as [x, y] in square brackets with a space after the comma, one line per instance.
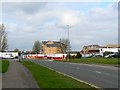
[78, 55]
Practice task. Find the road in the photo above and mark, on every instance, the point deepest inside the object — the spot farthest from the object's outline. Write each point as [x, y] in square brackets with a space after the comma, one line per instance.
[101, 76]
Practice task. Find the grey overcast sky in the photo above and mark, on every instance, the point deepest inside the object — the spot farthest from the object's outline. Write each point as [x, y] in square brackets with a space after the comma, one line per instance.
[90, 23]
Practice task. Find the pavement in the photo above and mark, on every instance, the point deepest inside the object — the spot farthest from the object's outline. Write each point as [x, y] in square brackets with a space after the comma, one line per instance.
[98, 75]
[18, 76]
[0, 80]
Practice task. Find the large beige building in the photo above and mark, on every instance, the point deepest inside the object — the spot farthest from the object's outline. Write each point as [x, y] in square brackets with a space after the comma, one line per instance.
[52, 47]
[91, 49]
[112, 46]
[96, 49]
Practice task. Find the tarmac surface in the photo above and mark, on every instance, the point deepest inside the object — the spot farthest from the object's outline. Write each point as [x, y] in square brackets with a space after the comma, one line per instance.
[18, 76]
[104, 76]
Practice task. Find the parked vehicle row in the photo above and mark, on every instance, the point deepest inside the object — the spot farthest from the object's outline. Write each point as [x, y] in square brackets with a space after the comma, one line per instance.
[9, 55]
[113, 55]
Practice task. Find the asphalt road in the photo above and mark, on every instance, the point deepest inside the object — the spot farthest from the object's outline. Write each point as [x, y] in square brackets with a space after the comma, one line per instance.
[101, 76]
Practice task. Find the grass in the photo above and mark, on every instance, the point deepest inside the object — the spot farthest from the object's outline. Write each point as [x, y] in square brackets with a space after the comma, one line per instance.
[4, 64]
[47, 78]
[95, 60]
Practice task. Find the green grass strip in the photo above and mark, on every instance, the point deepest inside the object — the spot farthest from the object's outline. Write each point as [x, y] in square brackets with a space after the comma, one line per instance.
[47, 78]
[95, 60]
[4, 64]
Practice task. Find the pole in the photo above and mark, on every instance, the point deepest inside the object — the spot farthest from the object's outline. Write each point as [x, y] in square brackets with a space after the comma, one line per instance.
[68, 53]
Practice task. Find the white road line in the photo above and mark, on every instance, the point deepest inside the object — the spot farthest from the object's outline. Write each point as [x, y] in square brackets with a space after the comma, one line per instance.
[98, 72]
[96, 65]
[107, 74]
[77, 68]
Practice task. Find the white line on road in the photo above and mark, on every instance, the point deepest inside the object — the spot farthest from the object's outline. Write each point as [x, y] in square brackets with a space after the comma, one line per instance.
[98, 72]
[96, 65]
[77, 68]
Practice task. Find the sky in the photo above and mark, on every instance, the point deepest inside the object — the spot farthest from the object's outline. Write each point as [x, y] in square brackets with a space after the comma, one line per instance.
[89, 23]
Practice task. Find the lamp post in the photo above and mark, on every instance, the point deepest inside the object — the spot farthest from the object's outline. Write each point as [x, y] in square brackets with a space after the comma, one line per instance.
[68, 52]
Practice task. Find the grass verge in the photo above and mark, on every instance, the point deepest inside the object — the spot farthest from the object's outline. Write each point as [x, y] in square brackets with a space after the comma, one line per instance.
[47, 78]
[4, 64]
[94, 60]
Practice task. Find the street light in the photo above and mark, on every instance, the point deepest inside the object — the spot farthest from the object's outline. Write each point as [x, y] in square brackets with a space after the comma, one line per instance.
[68, 52]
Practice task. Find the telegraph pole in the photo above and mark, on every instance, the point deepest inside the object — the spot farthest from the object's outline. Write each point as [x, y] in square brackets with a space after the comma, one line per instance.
[68, 52]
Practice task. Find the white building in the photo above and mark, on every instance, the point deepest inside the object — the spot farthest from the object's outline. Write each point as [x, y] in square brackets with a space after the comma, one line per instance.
[113, 50]
[99, 50]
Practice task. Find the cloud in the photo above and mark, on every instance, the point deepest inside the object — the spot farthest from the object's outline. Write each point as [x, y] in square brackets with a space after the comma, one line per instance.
[26, 7]
[103, 14]
[68, 17]
[28, 22]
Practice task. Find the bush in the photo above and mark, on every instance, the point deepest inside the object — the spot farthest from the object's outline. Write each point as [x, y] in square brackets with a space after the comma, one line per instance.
[78, 55]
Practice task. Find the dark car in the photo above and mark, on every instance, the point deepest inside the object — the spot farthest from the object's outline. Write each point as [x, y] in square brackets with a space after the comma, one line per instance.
[116, 55]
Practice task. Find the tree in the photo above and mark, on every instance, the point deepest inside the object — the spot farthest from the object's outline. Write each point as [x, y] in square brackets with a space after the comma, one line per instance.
[3, 39]
[16, 50]
[78, 55]
[36, 47]
[66, 44]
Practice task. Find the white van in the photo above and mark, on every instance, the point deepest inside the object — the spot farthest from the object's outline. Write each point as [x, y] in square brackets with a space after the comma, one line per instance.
[9, 55]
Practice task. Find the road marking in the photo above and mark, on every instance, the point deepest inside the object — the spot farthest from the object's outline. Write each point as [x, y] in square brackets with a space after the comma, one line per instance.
[95, 65]
[77, 68]
[107, 74]
[98, 72]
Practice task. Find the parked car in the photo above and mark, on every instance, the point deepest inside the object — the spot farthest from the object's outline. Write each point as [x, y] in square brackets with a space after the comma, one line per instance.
[114, 55]
[97, 56]
[8, 56]
[117, 55]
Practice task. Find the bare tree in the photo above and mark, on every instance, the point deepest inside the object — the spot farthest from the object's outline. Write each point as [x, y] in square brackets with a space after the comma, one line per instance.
[3, 38]
[66, 44]
[36, 47]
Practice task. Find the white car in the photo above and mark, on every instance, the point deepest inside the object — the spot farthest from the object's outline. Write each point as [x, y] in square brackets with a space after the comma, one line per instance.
[110, 55]
[8, 56]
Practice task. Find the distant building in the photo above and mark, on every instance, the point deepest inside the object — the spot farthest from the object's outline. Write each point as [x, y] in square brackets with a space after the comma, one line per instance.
[96, 49]
[52, 47]
[91, 49]
[110, 48]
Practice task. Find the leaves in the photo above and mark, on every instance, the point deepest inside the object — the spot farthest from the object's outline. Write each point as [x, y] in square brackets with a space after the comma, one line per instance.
[66, 45]
[3, 38]
[36, 47]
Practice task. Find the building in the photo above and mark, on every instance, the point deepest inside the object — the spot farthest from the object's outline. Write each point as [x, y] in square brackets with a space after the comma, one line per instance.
[52, 47]
[113, 48]
[91, 49]
[99, 50]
